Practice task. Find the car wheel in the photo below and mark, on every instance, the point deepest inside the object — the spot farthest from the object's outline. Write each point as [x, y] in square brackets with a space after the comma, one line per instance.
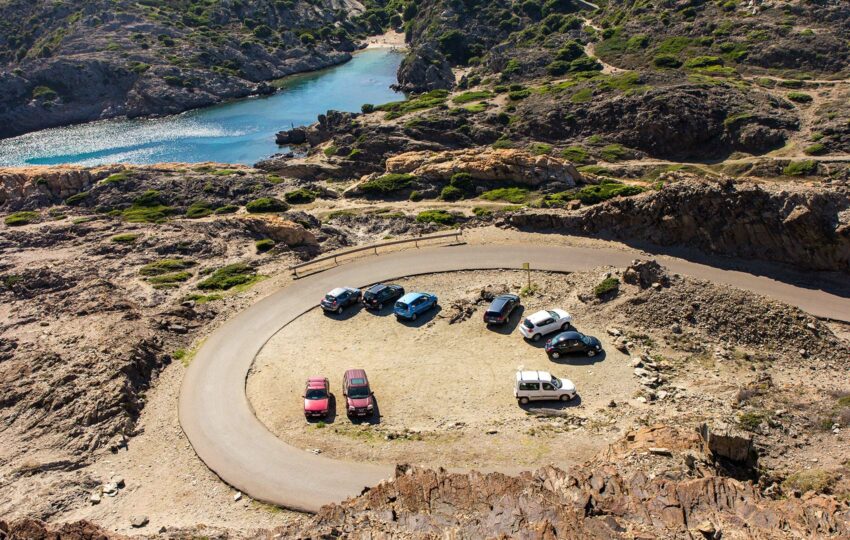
[413, 318]
[339, 310]
[380, 307]
[565, 397]
[591, 352]
[556, 355]
[565, 327]
[523, 401]
[535, 337]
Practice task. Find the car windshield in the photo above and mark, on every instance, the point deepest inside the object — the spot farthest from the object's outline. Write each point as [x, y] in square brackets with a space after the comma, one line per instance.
[358, 392]
[368, 295]
[330, 298]
[528, 324]
[554, 315]
[556, 382]
[401, 305]
[586, 340]
[316, 393]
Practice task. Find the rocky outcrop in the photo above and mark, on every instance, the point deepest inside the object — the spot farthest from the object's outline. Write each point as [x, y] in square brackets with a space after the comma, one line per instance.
[423, 69]
[487, 164]
[42, 187]
[807, 227]
[282, 231]
[31, 529]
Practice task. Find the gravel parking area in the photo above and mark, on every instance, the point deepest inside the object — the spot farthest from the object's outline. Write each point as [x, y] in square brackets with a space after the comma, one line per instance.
[443, 388]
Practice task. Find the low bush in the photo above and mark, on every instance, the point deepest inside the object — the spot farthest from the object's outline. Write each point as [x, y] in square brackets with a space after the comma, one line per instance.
[265, 205]
[666, 61]
[170, 279]
[441, 217]
[699, 62]
[387, 184]
[415, 196]
[77, 198]
[800, 97]
[21, 218]
[199, 209]
[606, 286]
[468, 97]
[817, 480]
[614, 152]
[128, 238]
[575, 154]
[516, 195]
[228, 277]
[817, 149]
[541, 149]
[751, 420]
[226, 209]
[462, 180]
[451, 193]
[801, 168]
[116, 178]
[593, 194]
[166, 266]
[264, 245]
[300, 196]
[148, 208]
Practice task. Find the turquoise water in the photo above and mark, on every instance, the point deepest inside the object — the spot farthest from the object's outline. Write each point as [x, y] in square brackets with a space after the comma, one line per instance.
[238, 132]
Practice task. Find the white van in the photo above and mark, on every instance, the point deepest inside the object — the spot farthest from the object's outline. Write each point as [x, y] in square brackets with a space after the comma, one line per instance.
[542, 385]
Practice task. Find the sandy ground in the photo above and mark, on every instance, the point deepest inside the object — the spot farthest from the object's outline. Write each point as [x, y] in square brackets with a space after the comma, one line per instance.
[391, 39]
[444, 391]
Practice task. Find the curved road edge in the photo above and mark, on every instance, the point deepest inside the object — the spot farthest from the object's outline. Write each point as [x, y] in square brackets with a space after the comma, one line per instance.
[219, 421]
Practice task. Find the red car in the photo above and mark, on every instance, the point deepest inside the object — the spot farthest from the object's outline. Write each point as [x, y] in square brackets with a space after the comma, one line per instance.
[317, 397]
[358, 396]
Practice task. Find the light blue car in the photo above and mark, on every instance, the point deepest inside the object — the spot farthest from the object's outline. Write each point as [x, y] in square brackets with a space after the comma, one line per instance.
[411, 305]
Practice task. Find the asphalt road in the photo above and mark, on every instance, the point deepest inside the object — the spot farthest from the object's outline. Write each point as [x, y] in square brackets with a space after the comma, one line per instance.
[220, 424]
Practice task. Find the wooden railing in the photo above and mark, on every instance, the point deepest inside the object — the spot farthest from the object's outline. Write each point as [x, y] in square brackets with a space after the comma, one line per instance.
[456, 234]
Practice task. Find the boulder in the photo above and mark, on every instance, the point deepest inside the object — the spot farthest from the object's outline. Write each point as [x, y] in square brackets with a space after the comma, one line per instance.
[646, 274]
[291, 136]
[279, 229]
[425, 68]
[728, 442]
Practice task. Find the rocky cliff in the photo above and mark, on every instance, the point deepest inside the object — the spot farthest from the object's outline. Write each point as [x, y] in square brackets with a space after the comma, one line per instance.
[70, 62]
[808, 227]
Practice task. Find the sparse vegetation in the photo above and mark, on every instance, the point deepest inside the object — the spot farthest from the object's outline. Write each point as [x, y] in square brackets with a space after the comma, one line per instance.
[440, 217]
[21, 218]
[228, 277]
[166, 266]
[387, 184]
[516, 195]
[266, 205]
[607, 287]
[300, 196]
[264, 245]
[800, 168]
[128, 238]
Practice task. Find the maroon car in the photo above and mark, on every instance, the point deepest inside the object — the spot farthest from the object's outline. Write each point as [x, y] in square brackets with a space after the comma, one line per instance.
[359, 401]
[317, 397]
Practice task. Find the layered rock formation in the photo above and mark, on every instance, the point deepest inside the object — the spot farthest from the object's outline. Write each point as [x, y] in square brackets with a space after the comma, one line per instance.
[808, 227]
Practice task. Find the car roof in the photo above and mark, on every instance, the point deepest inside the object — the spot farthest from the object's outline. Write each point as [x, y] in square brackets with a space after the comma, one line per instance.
[540, 316]
[377, 287]
[316, 382]
[355, 374]
[410, 297]
[339, 290]
[501, 300]
[567, 335]
[533, 376]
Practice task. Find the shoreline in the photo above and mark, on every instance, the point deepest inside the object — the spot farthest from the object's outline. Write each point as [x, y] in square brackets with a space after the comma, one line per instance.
[391, 40]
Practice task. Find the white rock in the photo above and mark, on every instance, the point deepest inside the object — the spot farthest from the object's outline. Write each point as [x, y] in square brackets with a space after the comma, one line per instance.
[237, 496]
[613, 332]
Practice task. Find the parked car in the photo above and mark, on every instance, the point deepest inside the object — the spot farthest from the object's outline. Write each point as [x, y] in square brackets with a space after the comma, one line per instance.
[377, 296]
[358, 395]
[411, 305]
[317, 397]
[572, 343]
[501, 308]
[545, 322]
[542, 385]
[340, 298]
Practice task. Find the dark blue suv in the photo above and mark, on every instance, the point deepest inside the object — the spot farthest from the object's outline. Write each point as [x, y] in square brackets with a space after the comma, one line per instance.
[340, 298]
[501, 308]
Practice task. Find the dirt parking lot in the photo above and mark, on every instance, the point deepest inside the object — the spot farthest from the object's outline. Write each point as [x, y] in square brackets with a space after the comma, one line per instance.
[443, 390]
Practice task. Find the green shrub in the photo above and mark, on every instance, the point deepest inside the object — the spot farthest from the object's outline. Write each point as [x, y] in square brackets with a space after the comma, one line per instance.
[667, 61]
[800, 97]
[415, 196]
[462, 180]
[800, 168]
[416, 103]
[468, 97]
[264, 245]
[540, 149]
[266, 204]
[199, 209]
[170, 279]
[588, 195]
[77, 198]
[300, 196]
[226, 209]
[44, 93]
[166, 266]
[116, 178]
[817, 149]
[148, 208]
[451, 193]
[613, 152]
[21, 218]
[516, 195]
[698, 62]
[575, 154]
[817, 480]
[367, 108]
[387, 184]
[751, 420]
[606, 286]
[128, 238]
[331, 151]
[441, 217]
[503, 143]
[228, 277]
[791, 84]
[518, 95]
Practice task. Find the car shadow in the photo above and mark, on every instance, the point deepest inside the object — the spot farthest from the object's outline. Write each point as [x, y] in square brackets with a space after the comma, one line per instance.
[542, 407]
[511, 325]
[331, 417]
[579, 359]
[348, 313]
[385, 312]
[372, 420]
[424, 318]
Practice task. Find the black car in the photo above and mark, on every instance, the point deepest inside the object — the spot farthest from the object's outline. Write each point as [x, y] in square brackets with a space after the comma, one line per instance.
[339, 299]
[501, 308]
[572, 343]
[377, 296]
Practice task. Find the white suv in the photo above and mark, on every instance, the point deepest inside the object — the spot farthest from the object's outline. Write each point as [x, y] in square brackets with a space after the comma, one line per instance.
[545, 322]
[542, 385]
